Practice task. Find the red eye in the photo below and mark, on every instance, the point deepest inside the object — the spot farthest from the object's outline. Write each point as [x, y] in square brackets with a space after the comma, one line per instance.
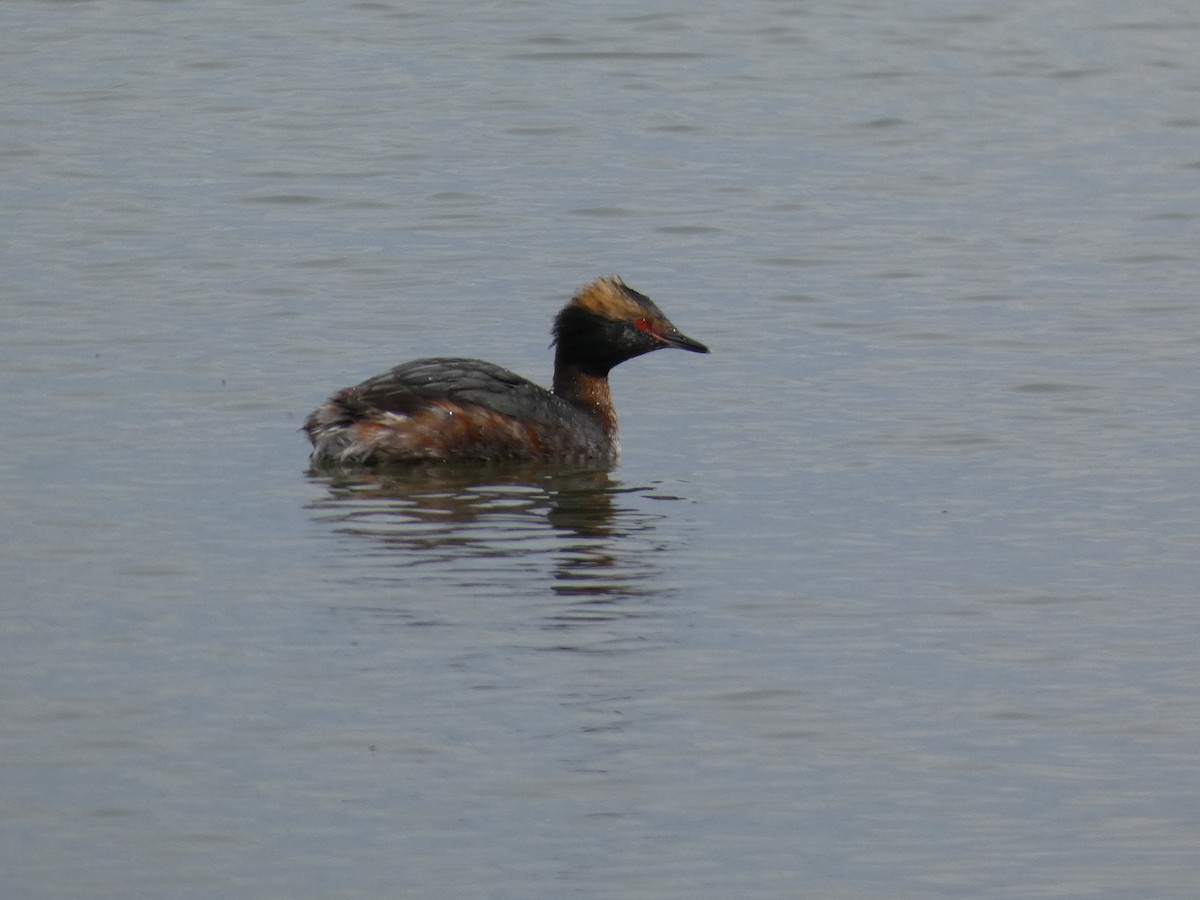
[642, 324]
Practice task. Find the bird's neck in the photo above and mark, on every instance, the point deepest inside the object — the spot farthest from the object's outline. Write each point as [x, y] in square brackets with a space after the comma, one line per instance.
[588, 390]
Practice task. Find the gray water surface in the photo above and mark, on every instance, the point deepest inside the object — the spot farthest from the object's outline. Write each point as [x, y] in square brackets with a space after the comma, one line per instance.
[893, 595]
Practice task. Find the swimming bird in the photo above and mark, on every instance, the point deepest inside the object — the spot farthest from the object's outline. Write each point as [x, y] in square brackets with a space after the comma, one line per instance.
[444, 408]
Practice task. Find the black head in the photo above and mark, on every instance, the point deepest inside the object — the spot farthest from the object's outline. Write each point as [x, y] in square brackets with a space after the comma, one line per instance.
[609, 322]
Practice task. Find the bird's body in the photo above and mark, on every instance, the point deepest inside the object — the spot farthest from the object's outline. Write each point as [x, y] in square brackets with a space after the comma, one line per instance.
[445, 408]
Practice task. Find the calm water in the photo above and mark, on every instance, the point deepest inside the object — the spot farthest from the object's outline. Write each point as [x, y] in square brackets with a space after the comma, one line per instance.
[894, 595]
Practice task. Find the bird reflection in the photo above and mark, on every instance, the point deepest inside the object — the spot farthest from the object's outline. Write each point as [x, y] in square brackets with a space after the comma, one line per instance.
[503, 529]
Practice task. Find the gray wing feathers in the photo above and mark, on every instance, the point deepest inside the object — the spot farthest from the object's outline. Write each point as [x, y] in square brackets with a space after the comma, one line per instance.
[411, 386]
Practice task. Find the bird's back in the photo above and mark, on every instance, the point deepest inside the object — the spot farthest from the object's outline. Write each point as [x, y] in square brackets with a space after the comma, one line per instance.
[450, 408]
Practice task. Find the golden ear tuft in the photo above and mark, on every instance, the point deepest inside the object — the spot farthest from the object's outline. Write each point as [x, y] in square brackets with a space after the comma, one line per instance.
[604, 297]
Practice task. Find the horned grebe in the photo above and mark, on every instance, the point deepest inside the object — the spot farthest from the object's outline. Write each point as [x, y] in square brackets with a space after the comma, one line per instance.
[445, 408]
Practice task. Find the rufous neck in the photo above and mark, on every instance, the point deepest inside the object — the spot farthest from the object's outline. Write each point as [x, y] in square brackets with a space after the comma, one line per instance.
[587, 390]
